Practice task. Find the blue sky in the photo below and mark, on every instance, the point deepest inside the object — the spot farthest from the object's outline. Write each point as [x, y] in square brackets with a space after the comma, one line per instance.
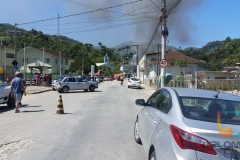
[193, 23]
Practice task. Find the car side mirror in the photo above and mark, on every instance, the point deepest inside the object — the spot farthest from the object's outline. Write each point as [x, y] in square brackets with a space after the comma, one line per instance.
[140, 102]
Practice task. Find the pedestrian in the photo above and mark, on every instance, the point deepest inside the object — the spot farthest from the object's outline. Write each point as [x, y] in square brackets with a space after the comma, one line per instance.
[25, 86]
[16, 90]
[37, 78]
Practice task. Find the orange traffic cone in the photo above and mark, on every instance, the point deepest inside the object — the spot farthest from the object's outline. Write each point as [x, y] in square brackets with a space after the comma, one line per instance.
[60, 106]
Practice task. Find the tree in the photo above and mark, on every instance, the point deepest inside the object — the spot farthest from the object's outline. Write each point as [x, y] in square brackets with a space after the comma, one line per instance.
[181, 63]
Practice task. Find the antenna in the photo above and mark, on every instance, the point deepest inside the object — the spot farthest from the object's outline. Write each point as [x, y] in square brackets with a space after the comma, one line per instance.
[216, 96]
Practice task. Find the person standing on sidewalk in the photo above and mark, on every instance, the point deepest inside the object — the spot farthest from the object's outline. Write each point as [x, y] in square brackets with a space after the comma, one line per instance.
[25, 86]
[16, 90]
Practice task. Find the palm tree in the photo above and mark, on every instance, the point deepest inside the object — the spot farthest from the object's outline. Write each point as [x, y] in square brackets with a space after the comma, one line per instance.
[181, 63]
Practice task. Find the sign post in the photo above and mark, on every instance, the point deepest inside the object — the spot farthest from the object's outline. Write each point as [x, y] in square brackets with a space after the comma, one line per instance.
[163, 63]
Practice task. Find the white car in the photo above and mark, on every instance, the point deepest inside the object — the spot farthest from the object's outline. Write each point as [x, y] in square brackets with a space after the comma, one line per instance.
[5, 95]
[134, 82]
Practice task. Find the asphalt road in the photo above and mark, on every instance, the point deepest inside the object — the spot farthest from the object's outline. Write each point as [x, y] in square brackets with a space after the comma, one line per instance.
[96, 126]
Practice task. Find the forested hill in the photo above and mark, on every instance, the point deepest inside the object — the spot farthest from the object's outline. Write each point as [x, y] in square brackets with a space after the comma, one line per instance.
[216, 54]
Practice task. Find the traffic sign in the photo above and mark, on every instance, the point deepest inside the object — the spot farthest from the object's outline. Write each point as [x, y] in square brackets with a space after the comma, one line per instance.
[14, 63]
[163, 63]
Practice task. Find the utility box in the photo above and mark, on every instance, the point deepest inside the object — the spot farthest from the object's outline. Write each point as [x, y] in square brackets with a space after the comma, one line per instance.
[168, 78]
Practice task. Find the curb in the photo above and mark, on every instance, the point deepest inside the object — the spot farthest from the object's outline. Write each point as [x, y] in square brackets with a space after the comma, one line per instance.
[37, 92]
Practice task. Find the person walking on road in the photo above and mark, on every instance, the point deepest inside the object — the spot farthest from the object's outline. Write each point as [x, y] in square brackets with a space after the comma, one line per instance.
[16, 90]
[121, 79]
[25, 86]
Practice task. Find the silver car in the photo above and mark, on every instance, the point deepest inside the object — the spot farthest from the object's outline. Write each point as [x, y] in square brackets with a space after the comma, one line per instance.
[188, 124]
[75, 83]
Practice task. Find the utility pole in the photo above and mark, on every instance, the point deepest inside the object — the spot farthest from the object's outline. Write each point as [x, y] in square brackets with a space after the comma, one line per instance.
[138, 68]
[164, 37]
[24, 75]
[82, 63]
[60, 56]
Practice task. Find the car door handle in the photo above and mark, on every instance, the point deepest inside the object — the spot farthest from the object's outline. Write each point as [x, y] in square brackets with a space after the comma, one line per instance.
[154, 121]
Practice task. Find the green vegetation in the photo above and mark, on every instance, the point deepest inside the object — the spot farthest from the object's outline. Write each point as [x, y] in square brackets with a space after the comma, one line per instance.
[217, 54]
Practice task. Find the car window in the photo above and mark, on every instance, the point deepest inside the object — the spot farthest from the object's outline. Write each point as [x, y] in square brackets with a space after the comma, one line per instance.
[152, 101]
[135, 79]
[164, 103]
[71, 79]
[209, 109]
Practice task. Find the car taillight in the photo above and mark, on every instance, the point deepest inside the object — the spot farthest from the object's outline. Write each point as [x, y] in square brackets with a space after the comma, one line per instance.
[59, 83]
[187, 140]
[129, 81]
[140, 82]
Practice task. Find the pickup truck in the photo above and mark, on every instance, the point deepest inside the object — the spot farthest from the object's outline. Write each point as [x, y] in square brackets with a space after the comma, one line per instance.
[5, 95]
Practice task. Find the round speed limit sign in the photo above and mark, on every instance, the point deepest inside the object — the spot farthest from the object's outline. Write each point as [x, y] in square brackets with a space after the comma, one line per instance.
[163, 63]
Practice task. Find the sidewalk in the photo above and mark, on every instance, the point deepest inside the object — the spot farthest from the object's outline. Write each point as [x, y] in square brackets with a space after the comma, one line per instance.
[148, 90]
[37, 89]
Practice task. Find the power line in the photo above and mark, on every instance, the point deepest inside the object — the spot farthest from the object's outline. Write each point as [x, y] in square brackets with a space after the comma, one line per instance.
[100, 9]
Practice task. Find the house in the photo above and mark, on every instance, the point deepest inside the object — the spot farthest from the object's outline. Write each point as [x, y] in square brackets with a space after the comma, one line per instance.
[150, 70]
[50, 62]
[6, 58]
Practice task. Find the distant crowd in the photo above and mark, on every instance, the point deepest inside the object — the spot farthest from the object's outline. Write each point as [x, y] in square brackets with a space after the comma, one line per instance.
[42, 79]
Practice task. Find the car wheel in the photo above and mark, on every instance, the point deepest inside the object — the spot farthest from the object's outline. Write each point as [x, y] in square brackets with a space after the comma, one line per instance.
[136, 133]
[92, 88]
[128, 87]
[53, 89]
[153, 156]
[11, 101]
[85, 90]
[65, 89]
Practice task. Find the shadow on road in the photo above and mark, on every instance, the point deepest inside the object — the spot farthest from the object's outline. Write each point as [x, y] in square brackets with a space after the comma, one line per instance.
[79, 92]
[33, 111]
[5, 109]
[27, 105]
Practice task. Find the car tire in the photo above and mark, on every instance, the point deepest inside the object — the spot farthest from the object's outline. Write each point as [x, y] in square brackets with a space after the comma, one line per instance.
[11, 101]
[136, 133]
[152, 156]
[85, 90]
[91, 88]
[53, 89]
[65, 89]
[128, 87]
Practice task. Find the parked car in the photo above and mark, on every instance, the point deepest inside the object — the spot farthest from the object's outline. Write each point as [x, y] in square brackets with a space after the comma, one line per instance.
[59, 78]
[75, 83]
[106, 78]
[183, 123]
[100, 79]
[134, 82]
[5, 95]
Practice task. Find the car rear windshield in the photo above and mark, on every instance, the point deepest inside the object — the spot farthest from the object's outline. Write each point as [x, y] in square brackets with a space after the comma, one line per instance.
[210, 110]
[135, 79]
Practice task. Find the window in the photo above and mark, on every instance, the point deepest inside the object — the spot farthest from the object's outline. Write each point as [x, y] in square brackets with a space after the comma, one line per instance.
[35, 59]
[56, 61]
[66, 61]
[164, 103]
[9, 55]
[46, 60]
[152, 101]
[188, 71]
[71, 80]
[26, 60]
[207, 109]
